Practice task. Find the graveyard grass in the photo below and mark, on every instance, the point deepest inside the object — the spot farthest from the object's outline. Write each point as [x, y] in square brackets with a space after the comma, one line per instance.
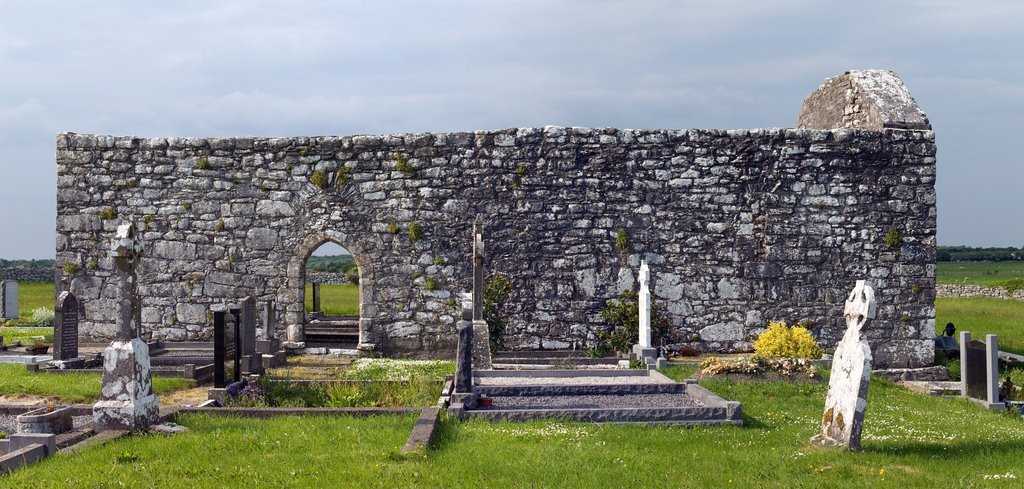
[335, 300]
[910, 440]
[33, 295]
[69, 388]
[983, 315]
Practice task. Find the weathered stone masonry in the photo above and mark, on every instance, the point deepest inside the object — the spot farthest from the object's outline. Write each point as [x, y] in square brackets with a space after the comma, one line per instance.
[739, 227]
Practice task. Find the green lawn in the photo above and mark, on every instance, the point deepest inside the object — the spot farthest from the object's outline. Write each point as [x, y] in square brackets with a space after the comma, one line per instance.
[26, 335]
[335, 300]
[989, 273]
[32, 295]
[80, 387]
[983, 315]
[910, 440]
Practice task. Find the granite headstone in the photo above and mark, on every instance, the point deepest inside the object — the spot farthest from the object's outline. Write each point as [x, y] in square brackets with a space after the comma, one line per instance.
[65, 336]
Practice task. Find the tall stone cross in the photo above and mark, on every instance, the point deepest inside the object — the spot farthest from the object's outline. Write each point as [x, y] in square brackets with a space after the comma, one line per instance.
[645, 306]
[126, 249]
[126, 400]
[478, 269]
[847, 396]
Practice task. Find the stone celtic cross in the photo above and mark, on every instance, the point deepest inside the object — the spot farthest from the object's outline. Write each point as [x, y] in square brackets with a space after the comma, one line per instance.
[847, 397]
[126, 249]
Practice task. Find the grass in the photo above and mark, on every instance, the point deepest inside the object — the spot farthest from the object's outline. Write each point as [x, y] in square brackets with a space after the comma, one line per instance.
[79, 387]
[405, 383]
[335, 300]
[990, 273]
[26, 335]
[32, 295]
[910, 440]
[983, 315]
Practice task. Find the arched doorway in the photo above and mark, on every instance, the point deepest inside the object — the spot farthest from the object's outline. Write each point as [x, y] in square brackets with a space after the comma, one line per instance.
[331, 297]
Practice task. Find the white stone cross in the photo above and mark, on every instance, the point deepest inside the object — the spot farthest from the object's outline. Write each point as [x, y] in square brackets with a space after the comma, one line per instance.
[645, 306]
[847, 396]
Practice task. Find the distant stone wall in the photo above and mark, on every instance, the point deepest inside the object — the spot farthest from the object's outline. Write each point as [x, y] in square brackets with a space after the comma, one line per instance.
[950, 290]
[27, 274]
[739, 228]
[327, 278]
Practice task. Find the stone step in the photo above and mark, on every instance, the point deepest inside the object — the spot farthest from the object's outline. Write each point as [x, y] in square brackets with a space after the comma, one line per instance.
[555, 360]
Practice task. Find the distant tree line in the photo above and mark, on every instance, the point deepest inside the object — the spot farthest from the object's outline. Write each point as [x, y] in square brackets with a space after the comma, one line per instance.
[31, 264]
[967, 253]
[330, 264]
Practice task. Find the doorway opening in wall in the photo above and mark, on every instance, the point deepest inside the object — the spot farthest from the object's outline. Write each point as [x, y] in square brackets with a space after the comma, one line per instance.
[332, 297]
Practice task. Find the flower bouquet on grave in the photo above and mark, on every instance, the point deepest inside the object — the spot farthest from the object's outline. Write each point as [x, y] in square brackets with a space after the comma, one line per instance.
[38, 347]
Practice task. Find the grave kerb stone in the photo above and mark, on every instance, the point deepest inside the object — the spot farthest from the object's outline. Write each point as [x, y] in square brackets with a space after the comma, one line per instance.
[971, 368]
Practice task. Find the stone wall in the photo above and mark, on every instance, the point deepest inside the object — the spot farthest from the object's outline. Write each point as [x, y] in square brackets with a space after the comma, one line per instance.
[739, 228]
[951, 290]
[327, 278]
[27, 274]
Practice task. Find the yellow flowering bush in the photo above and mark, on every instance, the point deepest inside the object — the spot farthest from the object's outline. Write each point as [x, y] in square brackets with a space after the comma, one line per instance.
[783, 341]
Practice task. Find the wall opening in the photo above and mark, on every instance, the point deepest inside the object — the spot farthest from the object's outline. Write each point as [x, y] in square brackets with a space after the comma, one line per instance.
[331, 296]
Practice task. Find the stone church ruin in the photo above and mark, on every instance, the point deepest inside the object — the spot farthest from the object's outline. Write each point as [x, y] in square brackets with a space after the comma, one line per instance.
[739, 227]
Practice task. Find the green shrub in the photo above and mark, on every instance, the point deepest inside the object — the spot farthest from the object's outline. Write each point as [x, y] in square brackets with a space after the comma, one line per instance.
[352, 275]
[622, 241]
[496, 290]
[783, 341]
[342, 176]
[319, 178]
[93, 264]
[1012, 285]
[203, 163]
[402, 164]
[186, 205]
[623, 328]
[71, 268]
[892, 238]
[108, 214]
[430, 283]
[393, 228]
[415, 231]
[43, 316]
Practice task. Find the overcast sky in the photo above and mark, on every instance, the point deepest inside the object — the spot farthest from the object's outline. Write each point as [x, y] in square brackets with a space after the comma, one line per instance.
[209, 68]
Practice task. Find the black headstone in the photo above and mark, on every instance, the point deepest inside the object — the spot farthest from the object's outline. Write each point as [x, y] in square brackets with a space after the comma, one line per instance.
[316, 297]
[226, 358]
[975, 370]
[65, 334]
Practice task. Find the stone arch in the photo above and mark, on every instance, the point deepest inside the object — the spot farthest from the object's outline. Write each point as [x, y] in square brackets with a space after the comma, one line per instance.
[295, 315]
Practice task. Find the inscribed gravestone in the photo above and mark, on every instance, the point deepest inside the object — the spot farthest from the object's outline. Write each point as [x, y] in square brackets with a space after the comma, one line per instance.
[65, 337]
[9, 301]
[851, 371]
[225, 348]
[979, 369]
[316, 296]
[248, 326]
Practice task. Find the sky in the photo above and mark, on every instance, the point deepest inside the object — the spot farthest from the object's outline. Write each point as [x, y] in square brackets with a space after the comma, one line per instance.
[277, 68]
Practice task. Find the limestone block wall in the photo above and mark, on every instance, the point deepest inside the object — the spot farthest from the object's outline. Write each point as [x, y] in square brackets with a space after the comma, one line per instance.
[739, 227]
[955, 290]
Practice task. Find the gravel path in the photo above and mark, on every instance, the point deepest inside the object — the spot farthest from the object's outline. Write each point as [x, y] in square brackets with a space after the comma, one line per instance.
[596, 401]
[631, 380]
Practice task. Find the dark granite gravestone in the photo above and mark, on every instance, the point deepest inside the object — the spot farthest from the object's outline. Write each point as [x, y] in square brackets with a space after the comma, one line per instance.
[316, 297]
[226, 353]
[9, 299]
[974, 370]
[65, 334]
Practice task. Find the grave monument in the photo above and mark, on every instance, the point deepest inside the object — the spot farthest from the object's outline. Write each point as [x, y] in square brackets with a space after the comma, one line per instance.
[979, 370]
[126, 400]
[481, 333]
[851, 371]
[644, 351]
[65, 333]
[9, 299]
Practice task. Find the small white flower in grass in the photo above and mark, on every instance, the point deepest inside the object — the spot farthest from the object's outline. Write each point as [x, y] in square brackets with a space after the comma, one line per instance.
[1008, 475]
